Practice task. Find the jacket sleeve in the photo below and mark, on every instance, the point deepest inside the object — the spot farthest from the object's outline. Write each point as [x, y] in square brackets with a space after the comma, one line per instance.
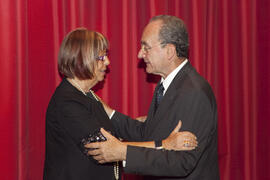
[76, 119]
[198, 114]
[127, 128]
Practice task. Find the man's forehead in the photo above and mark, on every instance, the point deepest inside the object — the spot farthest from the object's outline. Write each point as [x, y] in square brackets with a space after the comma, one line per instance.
[151, 31]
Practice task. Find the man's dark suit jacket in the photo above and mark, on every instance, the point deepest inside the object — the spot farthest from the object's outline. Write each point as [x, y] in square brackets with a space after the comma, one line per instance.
[189, 98]
[70, 117]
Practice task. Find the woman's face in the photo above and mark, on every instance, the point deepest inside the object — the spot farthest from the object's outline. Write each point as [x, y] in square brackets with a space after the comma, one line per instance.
[101, 66]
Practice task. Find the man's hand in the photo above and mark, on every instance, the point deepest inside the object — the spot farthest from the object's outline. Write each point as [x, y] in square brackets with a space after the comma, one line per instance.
[180, 140]
[108, 151]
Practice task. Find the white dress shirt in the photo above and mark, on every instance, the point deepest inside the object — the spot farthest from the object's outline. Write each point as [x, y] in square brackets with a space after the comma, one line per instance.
[168, 80]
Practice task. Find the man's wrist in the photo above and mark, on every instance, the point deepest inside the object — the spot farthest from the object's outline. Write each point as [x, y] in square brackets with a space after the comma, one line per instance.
[124, 152]
[158, 144]
[124, 160]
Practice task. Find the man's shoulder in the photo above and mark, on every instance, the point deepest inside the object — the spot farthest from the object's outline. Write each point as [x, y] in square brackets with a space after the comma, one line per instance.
[192, 82]
[191, 79]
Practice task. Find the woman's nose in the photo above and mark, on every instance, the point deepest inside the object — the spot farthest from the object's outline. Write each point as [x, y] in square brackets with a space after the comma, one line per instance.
[107, 61]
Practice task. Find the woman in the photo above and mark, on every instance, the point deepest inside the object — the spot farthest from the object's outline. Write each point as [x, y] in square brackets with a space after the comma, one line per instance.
[74, 111]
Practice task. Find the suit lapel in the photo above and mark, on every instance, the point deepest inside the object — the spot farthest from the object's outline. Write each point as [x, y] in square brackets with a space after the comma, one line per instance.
[154, 118]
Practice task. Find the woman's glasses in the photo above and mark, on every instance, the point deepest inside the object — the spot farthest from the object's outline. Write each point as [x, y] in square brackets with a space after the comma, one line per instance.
[102, 58]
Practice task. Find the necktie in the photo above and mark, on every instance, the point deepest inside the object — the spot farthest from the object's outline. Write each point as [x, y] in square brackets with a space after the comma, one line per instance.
[159, 95]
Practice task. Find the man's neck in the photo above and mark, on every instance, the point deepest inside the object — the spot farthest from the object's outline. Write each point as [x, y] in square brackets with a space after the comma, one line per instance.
[173, 66]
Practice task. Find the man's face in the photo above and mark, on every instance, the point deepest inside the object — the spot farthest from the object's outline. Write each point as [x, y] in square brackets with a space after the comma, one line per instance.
[151, 50]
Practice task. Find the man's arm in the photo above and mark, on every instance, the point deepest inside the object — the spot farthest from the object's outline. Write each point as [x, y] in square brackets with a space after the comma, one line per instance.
[177, 141]
[125, 127]
[115, 150]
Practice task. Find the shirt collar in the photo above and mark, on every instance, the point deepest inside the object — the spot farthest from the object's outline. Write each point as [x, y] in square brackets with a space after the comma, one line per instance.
[167, 81]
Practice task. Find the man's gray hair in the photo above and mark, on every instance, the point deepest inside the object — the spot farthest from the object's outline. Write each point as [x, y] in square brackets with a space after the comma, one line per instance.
[173, 31]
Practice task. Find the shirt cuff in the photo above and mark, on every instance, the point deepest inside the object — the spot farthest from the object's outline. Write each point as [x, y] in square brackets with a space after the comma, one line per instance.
[124, 163]
[112, 114]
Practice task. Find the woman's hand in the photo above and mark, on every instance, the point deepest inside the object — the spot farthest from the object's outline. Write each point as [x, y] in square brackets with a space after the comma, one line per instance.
[141, 118]
[180, 141]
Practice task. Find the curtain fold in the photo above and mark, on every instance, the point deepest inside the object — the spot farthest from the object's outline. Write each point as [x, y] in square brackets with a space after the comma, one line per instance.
[229, 46]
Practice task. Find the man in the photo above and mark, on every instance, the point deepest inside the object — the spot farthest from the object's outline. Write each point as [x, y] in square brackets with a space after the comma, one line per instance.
[185, 95]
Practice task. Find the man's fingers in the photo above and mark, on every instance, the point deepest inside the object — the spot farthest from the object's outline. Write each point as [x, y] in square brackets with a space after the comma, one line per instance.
[101, 162]
[178, 127]
[100, 159]
[94, 145]
[105, 133]
[94, 152]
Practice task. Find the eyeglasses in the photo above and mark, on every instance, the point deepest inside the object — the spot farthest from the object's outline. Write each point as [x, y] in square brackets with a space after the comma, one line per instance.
[147, 48]
[102, 58]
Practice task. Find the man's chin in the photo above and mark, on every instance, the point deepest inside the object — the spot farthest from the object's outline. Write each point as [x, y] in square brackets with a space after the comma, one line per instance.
[149, 70]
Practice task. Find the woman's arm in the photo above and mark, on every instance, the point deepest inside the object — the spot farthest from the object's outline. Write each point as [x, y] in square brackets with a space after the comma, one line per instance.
[175, 141]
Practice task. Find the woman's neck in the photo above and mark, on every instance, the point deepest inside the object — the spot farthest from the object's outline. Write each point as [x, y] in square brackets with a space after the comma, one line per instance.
[82, 85]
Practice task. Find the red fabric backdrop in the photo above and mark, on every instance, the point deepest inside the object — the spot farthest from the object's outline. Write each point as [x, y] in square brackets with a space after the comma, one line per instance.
[230, 47]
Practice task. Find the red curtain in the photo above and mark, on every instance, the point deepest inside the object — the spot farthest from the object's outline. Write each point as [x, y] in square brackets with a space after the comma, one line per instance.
[229, 46]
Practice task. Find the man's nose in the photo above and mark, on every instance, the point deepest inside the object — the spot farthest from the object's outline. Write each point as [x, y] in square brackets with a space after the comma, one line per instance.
[140, 53]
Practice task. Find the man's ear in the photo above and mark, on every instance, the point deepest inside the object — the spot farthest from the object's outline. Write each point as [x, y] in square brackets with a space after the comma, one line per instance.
[171, 51]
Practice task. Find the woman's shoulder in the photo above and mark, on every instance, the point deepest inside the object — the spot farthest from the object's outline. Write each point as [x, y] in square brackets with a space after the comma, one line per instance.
[66, 95]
